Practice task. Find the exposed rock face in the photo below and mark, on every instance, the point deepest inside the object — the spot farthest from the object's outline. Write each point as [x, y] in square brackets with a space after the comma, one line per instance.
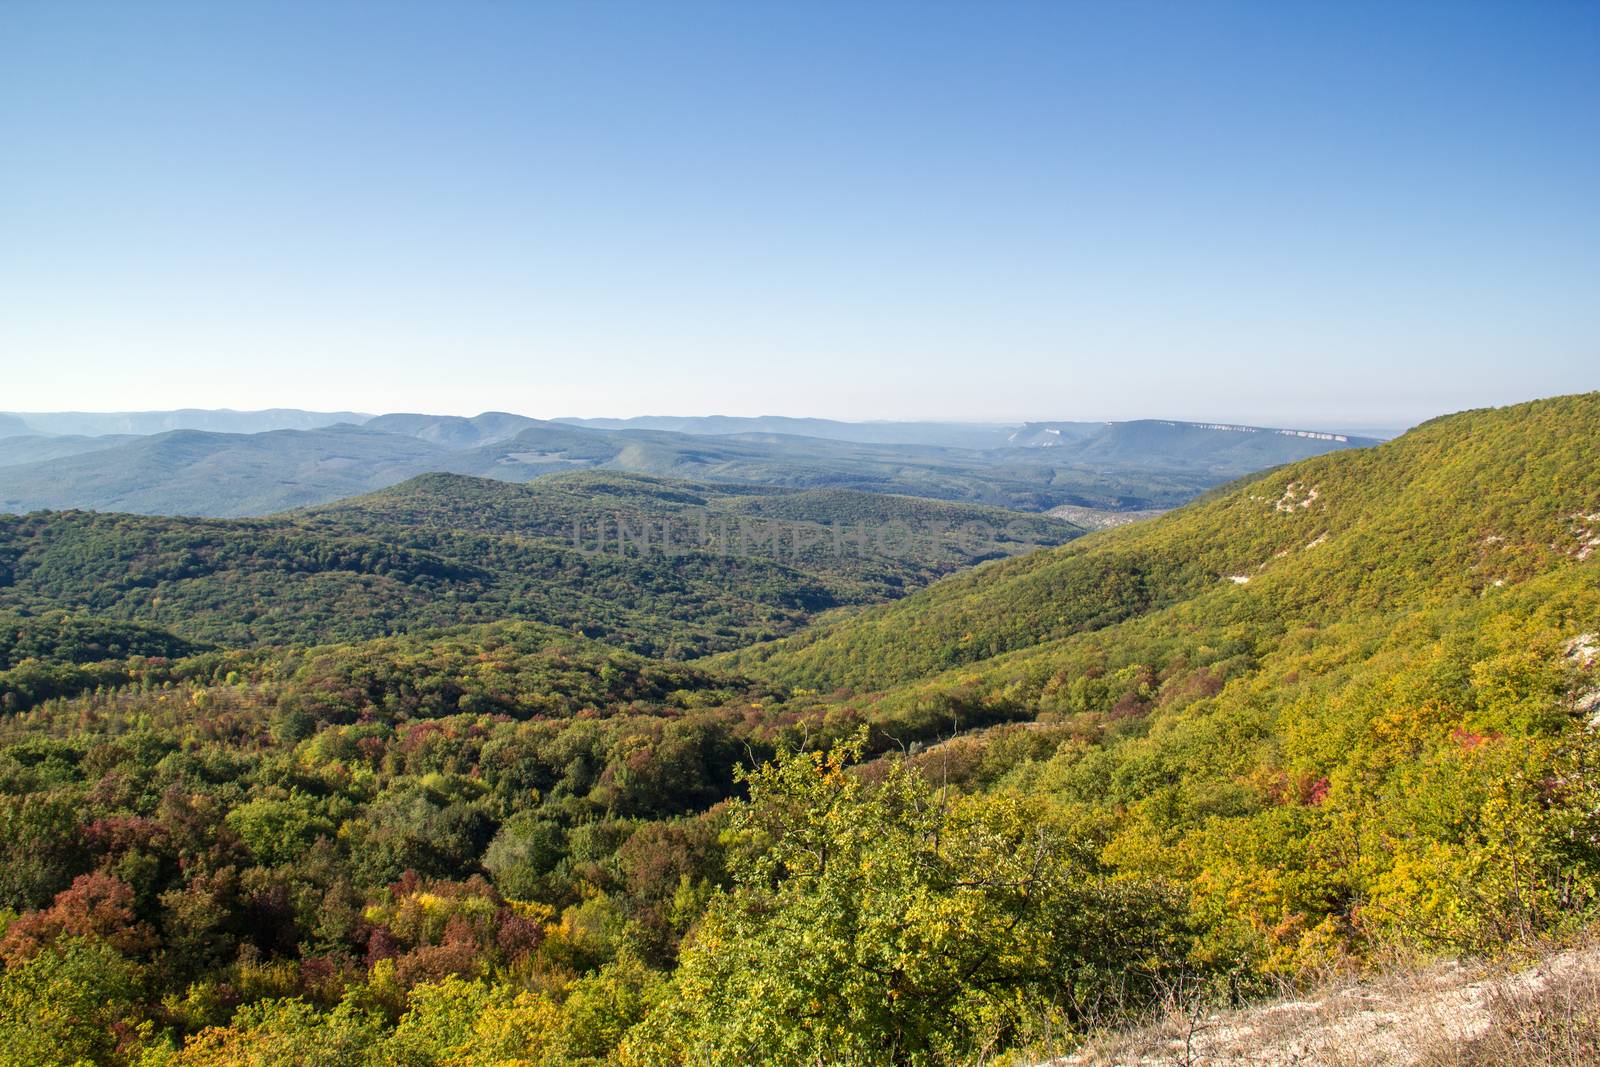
[1583, 652]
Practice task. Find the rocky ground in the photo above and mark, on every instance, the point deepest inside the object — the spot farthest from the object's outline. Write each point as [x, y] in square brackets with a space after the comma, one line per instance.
[1531, 1014]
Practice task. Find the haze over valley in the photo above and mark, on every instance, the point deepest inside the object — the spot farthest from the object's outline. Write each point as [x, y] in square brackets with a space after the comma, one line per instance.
[258, 467]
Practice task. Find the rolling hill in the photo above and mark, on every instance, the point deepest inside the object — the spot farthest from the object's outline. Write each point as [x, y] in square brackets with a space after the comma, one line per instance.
[1117, 466]
[672, 568]
[192, 472]
[453, 431]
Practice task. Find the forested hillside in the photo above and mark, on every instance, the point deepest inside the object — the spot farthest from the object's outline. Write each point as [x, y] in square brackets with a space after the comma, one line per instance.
[668, 568]
[1338, 711]
[1462, 506]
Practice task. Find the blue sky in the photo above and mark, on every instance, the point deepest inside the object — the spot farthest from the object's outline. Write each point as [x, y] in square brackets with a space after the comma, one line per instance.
[1317, 213]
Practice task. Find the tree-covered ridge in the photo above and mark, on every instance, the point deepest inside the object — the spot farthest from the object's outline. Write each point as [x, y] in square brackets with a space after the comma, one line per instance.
[1462, 506]
[594, 505]
[848, 506]
[60, 638]
[589, 553]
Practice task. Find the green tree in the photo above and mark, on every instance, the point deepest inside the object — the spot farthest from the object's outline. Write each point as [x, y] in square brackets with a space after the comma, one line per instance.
[893, 925]
[282, 1033]
[278, 829]
[60, 1006]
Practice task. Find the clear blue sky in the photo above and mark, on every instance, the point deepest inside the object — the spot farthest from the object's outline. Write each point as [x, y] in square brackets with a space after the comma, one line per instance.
[1284, 212]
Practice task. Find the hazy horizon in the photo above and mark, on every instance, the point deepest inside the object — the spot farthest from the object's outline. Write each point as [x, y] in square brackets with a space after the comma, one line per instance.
[1334, 422]
[1352, 427]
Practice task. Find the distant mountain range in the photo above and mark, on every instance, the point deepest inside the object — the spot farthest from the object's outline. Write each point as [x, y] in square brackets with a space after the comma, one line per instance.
[1117, 466]
[96, 423]
[460, 431]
